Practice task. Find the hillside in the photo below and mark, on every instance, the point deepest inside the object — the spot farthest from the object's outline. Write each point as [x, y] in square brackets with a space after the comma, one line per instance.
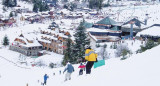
[16, 69]
[138, 70]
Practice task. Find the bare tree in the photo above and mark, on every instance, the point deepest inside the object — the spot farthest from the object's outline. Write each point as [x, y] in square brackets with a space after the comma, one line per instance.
[122, 50]
[103, 53]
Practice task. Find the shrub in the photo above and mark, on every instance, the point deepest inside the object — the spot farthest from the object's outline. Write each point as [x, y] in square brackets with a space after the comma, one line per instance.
[5, 41]
[150, 44]
[159, 41]
[52, 65]
[97, 45]
[122, 50]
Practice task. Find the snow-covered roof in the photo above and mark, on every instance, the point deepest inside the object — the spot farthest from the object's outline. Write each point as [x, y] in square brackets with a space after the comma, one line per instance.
[153, 31]
[65, 11]
[93, 37]
[34, 44]
[48, 36]
[109, 38]
[29, 37]
[45, 41]
[101, 30]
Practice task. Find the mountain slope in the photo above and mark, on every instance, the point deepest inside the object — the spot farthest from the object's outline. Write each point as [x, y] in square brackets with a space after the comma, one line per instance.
[138, 70]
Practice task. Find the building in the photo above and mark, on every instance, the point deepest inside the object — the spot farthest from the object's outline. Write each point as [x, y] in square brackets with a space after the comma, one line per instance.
[107, 23]
[102, 35]
[131, 27]
[150, 33]
[53, 39]
[105, 30]
[26, 44]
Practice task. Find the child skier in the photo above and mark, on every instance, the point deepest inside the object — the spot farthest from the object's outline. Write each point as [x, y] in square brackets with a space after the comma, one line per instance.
[45, 79]
[81, 68]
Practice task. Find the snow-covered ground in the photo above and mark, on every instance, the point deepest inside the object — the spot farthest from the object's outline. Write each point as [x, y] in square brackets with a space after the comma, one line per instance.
[13, 32]
[138, 70]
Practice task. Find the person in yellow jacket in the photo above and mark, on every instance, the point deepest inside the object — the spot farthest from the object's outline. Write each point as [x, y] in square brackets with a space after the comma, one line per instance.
[91, 57]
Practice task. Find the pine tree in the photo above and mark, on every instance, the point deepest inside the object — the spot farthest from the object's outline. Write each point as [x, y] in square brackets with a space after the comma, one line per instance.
[100, 4]
[150, 44]
[5, 3]
[103, 53]
[46, 7]
[95, 4]
[121, 50]
[15, 2]
[65, 0]
[35, 8]
[9, 3]
[91, 4]
[159, 41]
[68, 52]
[80, 41]
[5, 41]
[11, 14]
[40, 7]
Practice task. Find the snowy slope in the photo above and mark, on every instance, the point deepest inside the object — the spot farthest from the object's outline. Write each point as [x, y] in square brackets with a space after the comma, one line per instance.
[13, 32]
[138, 70]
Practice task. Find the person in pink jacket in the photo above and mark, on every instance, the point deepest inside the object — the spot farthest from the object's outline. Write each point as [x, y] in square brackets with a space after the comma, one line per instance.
[82, 67]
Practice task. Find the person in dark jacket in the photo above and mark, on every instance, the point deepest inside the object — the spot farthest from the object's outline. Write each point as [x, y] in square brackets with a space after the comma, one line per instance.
[69, 68]
[45, 79]
[91, 57]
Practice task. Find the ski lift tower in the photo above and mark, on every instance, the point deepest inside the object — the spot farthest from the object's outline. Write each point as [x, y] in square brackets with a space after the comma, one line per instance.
[131, 29]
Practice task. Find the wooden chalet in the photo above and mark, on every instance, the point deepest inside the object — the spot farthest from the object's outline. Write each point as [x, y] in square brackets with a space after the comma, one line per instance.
[54, 40]
[26, 45]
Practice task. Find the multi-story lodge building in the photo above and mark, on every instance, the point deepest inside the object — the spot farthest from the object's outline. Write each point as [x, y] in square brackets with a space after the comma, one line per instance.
[27, 45]
[53, 39]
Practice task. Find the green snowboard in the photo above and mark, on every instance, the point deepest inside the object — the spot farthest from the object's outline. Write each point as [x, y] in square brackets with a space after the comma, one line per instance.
[99, 63]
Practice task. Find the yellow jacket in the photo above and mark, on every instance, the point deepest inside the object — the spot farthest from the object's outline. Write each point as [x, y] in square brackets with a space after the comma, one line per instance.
[90, 55]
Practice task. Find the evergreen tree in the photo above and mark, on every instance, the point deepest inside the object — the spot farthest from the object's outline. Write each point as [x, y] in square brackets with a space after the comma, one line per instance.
[41, 8]
[150, 44]
[35, 8]
[91, 4]
[11, 14]
[159, 41]
[68, 52]
[39, 5]
[65, 6]
[124, 53]
[122, 50]
[65, 0]
[9, 3]
[5, 41]
[46, 7]
[80, 41]
[95, 4]
[103, 53]
[5, 3]
[97, 45]
[15, 2]
[72, 6]
[100, 4]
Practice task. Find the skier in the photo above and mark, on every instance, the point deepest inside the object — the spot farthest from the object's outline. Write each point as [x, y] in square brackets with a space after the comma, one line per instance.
[91, 57]
[69, 69]
[81, 68]
[60, 72]
[45, 79]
